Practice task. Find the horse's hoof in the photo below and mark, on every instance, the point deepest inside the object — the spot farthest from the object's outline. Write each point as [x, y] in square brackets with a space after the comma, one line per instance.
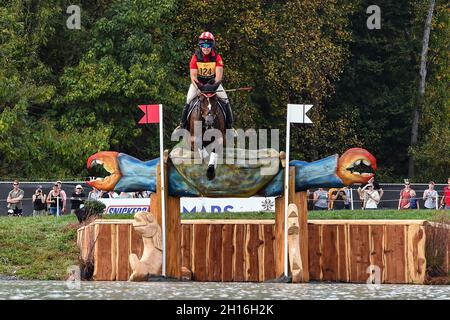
[211, 172]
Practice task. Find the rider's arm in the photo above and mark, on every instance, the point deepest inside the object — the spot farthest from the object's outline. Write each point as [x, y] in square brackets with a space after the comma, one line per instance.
[194, 76]
[219, 73]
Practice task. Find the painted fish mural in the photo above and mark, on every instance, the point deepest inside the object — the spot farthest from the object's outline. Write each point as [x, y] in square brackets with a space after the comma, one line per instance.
[262, 177]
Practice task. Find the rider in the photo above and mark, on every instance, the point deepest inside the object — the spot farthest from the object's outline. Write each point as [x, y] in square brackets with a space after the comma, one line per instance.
[206, 68]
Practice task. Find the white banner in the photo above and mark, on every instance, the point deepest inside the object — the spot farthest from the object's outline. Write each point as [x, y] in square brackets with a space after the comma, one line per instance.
[125, 205]
[190, 205]
[221, 205]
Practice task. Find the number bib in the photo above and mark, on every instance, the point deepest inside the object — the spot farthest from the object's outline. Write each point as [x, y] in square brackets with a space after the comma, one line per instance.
[206, 69]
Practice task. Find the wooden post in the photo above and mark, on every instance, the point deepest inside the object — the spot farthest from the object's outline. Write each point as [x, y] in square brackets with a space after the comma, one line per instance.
[173, 223]
[155, 201]
[279, 236]
[301, 201]
[173, 238]
[295, 260]
[279, 225]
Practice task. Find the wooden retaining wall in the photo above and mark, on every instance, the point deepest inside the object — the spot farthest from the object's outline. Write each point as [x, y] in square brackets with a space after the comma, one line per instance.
[109, 243]
[245, 250]
[229, 250]
[342, 250]
[213, 250]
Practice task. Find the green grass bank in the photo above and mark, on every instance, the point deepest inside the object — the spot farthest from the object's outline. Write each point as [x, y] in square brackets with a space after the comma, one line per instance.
[40, 248]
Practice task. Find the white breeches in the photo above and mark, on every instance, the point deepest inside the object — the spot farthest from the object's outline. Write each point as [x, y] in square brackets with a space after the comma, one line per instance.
[193, 92]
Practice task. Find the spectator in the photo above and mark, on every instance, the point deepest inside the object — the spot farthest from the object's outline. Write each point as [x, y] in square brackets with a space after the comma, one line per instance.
[371, 197]
[39, 204]
[430, 197]
[77, 198]
[111, 194]
[55, 200]
[63, 196]
[348, 198]
[445, 201]
[413, 201]
[14, 200]
[94, 194]
[376, 186]
[320, 199]
[405, 195]
[126, 195]
[337, 199]
[310, 201]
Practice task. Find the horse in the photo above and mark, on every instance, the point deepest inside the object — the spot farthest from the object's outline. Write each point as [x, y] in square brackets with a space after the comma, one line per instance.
[207, 109]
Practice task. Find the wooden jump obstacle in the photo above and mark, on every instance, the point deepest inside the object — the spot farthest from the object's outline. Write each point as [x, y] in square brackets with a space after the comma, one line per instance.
[253, 250]
[243, 250]
[174, 232]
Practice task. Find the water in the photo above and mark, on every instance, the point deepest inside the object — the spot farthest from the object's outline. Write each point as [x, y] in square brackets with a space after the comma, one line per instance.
[60, 290]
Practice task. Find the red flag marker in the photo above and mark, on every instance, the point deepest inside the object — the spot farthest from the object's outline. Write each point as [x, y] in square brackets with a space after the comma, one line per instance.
[151, 113]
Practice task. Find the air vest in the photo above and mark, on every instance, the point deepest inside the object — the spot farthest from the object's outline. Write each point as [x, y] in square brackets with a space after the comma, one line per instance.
[206, 70]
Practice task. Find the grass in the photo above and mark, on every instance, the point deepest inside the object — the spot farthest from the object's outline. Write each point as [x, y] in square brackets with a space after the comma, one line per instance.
[336, 214]
[40, 248]
[373, 214]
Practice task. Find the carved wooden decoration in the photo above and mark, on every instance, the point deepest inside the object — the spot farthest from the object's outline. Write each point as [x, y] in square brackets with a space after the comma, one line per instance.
[295, 260]
[150, 263]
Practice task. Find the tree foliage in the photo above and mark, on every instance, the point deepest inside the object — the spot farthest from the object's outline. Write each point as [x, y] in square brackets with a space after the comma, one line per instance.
[65, 94]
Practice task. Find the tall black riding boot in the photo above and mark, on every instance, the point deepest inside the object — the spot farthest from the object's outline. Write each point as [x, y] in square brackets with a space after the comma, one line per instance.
[229, 115]
[184, 115]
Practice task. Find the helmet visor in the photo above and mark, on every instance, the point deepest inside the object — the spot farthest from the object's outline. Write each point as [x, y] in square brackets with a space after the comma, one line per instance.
[205, 45]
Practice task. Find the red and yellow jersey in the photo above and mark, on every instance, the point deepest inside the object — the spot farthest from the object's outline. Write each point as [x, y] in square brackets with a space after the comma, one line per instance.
[206, 65]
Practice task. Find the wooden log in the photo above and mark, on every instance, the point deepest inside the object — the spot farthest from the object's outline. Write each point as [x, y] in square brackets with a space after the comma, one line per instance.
[301, 200]
[269, 252]
[123, 252]
[329, 249]
[395, 254]
[252, 245]
[103, 270]
[359, 253]
[343, 272]
[186, 246]
[239, 257]
[227, 252]
[214, 257]
[199, 272]
[279, 236]
[261, 253]
[295, 260]
[173, 238]
[156, 210]
[376, 244]
[415, 249]
[315, 254]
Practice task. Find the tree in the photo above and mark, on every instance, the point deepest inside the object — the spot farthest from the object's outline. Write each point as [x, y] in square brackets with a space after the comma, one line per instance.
[421, 93]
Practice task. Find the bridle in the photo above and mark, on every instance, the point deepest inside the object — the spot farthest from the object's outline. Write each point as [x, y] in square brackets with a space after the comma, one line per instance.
[209, 121]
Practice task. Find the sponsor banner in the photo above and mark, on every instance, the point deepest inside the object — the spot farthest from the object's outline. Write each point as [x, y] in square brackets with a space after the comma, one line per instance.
[220, 205]
[190, 205]
[126, 206]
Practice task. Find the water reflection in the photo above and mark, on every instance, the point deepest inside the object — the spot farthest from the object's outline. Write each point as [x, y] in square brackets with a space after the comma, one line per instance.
[212, 290]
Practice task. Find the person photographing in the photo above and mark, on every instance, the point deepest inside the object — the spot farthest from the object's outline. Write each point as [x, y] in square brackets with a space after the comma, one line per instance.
[39, 203]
